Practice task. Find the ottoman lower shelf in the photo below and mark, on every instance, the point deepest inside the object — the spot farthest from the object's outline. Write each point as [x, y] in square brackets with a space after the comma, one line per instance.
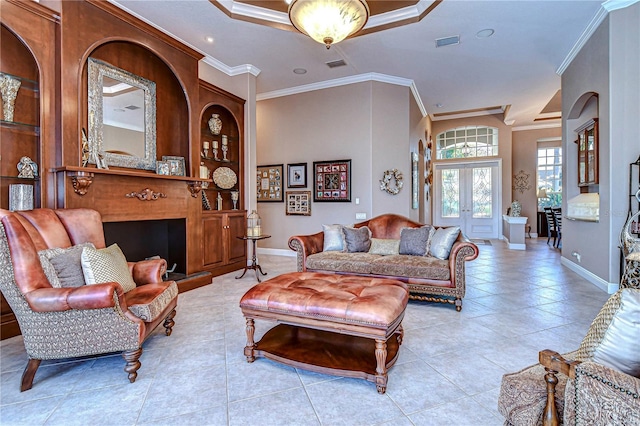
[325, 352]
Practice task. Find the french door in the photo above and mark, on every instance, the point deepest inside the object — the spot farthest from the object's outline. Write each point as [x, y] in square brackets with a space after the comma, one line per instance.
[468, 195]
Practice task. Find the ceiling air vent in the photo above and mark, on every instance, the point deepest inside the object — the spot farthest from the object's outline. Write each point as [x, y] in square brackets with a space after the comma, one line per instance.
[446, 41]
[338, 63]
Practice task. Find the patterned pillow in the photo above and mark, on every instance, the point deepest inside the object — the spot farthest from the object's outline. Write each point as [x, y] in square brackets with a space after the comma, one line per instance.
[356, 240]
[415, 241]
[384, 247]
[332, 238]
[62, 267]
[107, 265]
[442, 241]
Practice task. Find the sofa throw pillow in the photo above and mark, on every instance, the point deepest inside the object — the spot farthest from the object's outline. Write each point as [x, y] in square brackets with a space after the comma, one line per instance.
[356, 240]
[384, 246]
[332, 238]
[442, 241]
[62, 267]
[415, 241]
[107, 265]
[620, 345]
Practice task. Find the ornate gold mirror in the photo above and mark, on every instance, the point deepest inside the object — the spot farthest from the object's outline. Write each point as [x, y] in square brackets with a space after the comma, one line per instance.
[122, 116]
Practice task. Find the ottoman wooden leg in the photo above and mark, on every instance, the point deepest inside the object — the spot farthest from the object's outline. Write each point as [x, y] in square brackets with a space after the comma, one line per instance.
[381, 366]
[248, 350]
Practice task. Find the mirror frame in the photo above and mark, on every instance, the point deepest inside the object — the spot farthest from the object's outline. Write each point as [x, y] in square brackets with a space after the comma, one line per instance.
[97, 70]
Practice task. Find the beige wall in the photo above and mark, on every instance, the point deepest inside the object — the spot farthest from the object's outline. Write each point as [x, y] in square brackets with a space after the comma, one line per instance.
[504, 146]
[525, 157]
[368, 123]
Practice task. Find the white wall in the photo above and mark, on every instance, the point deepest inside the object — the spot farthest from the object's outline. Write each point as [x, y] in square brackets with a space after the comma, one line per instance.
[366, 122]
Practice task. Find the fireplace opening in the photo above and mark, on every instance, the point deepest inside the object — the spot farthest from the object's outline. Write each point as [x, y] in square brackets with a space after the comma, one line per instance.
[140, 240]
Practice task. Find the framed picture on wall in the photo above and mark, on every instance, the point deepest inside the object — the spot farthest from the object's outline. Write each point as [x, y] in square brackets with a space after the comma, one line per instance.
[298, 203]
[270, 183]
[332, 181]
[297, 175]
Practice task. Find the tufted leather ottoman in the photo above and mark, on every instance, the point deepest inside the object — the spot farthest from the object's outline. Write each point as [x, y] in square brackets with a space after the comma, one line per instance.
[328, 323]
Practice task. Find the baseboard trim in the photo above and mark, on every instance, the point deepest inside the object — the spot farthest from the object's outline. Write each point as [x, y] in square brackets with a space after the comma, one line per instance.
[513, 246]
[276, 252]
[603, 285]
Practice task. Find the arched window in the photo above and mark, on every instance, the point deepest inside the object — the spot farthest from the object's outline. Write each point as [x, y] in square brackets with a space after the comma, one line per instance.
[467, 141]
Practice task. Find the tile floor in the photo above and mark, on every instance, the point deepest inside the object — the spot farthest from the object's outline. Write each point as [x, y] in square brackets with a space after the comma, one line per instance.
[448, 372]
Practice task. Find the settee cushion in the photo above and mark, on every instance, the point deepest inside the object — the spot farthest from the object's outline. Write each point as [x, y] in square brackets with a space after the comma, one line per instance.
[403, 265]
[384, 246]
[415, 241]
[107, 265]
[356, 263]
[356, 240]
[333, 240]
[62, 266]
[442, 241]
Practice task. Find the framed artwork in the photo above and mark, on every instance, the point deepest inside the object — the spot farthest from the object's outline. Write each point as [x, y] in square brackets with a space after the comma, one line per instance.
[298, 203]
[297, 175]
[176, 165]
[414, 180]
[332, 180]
[162, 167]
[270, 182]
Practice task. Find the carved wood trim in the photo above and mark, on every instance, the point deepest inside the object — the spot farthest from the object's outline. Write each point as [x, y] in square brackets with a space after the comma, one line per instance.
[194, 188]
[146, 194]
[81, 182]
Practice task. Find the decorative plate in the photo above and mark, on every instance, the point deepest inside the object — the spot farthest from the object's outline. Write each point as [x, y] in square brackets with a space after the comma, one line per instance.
[224, 177]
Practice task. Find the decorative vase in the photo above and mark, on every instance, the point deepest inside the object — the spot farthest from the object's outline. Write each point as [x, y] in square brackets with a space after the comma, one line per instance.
[516, 208]
[9, 89]
[215, 124]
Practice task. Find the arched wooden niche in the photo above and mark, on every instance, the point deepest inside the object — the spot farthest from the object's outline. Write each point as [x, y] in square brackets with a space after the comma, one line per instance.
[172, 111]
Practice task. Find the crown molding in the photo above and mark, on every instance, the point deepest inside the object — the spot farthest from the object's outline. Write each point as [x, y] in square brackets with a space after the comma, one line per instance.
[360, 78]
[536, 127]
[607, 7]
[254, 12]
[231, 71]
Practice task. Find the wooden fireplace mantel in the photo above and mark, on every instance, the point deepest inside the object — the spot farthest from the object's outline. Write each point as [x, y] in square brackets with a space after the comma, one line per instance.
[82, 177]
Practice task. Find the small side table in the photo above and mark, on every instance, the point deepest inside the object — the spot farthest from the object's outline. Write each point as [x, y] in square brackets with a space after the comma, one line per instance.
[254, 260]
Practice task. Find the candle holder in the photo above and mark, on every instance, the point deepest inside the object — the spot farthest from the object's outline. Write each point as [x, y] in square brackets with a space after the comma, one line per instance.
[215, 154]
[225, 149]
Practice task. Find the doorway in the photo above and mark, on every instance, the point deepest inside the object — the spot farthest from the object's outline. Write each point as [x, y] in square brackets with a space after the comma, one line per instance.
[468, 195]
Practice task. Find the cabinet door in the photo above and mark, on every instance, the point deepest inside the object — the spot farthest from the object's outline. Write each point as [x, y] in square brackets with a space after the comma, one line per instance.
[213, 247]
[236, 227]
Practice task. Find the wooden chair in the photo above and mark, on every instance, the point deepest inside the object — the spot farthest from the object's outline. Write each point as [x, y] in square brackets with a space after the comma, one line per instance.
[557, 217]
[551, 225]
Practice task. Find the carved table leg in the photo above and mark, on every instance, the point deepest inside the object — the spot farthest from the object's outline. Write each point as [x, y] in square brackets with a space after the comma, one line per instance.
[248, 350]
[133, 363]
[169, 323]
[550, 416]
[381, 366]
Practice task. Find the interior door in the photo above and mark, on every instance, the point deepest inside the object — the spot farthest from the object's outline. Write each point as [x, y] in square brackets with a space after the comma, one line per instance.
[468, 195]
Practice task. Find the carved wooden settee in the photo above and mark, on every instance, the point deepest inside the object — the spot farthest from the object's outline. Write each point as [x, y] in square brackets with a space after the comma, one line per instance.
[428, 278]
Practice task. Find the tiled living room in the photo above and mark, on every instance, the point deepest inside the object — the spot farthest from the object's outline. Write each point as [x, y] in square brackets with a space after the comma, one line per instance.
[448, 372]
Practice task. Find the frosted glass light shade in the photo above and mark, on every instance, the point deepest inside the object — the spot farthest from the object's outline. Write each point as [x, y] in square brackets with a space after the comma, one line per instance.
[20, 197]
[542, 193]
[328, 21]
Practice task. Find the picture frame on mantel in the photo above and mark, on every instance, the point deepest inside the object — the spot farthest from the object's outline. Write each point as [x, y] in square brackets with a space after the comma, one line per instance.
[332, 181]
[297, 175]
[269, 183]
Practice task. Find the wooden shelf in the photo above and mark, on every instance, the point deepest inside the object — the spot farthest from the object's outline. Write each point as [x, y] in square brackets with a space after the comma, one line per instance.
[130, 173]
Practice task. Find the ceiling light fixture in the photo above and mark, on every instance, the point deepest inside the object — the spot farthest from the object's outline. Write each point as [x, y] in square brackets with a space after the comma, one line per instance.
[299, 71]
[487, 32]
[328, 21]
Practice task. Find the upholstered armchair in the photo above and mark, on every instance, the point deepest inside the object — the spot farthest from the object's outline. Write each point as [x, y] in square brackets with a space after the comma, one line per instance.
[599, 384]
[47, 260]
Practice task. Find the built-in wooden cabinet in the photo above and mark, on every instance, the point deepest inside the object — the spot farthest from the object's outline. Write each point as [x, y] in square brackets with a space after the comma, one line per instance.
[27, 55]
[222, 160]
[222, 250]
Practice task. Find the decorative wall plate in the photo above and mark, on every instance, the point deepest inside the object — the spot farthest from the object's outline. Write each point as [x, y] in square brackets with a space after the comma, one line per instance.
[224, 177]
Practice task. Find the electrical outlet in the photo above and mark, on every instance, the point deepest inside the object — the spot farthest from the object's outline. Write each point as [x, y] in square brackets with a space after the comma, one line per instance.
[361, 216]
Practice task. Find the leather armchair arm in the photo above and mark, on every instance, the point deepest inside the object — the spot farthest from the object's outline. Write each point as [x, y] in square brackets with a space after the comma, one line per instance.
[148, 271]
[306, 245]
[462, 250]
[96, 296]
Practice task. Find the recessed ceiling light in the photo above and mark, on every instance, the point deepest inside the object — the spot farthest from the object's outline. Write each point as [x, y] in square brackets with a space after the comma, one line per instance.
[209, 39]
[299, 71]
[438, 105]
[487, 32]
